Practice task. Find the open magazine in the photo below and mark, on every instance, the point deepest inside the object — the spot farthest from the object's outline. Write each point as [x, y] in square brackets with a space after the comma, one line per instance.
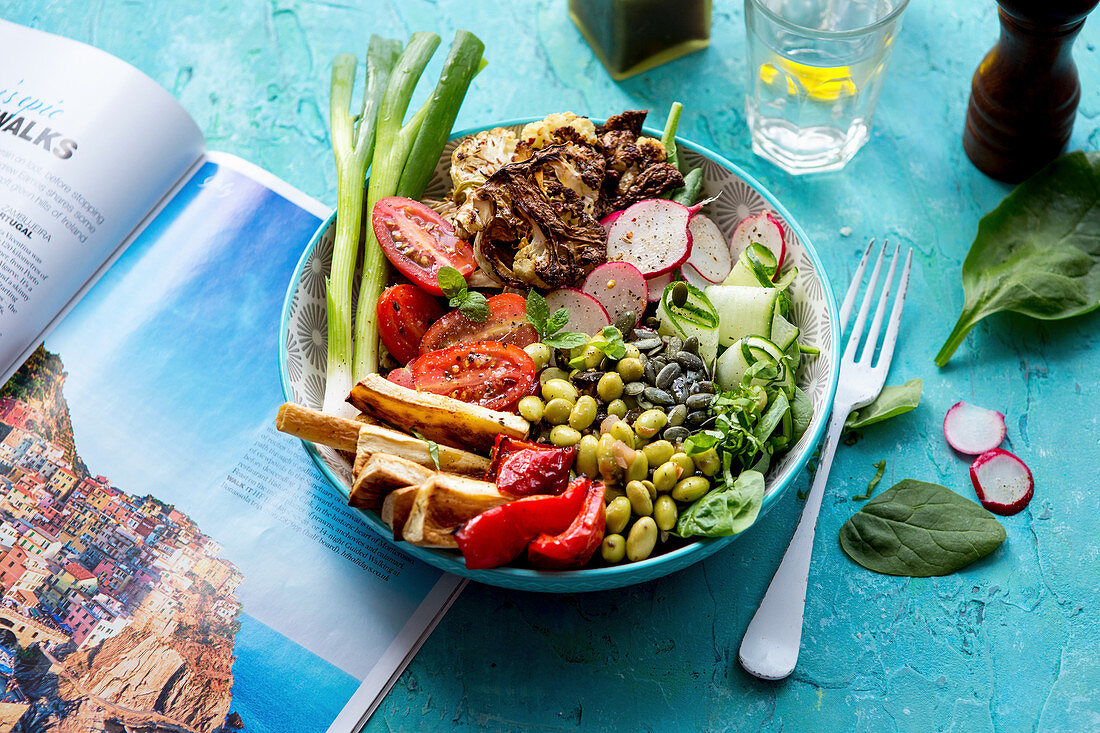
[168, 562]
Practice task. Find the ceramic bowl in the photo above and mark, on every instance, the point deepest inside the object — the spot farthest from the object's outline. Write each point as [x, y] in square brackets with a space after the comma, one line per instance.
[302, 357]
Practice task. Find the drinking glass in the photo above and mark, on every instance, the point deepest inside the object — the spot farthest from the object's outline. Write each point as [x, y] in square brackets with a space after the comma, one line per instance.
[815, 72]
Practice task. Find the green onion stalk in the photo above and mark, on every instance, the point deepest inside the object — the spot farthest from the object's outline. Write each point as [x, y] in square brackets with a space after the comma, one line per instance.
[353, 140]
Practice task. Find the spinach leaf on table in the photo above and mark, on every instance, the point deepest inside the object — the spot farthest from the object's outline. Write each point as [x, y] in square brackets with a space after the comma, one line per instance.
[919, 529]
[1038, 252]
[892, 401]
[724, 511]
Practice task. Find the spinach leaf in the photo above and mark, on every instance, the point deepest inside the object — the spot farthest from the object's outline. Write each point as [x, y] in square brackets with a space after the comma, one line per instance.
[724, 511]
[892, 401]
[1038, 252]
[919, 529]
[802, 412]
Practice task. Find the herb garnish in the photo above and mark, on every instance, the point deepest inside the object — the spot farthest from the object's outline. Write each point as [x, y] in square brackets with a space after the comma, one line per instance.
[881, 466]
[470, 303]
[549, 325]
[433, 448]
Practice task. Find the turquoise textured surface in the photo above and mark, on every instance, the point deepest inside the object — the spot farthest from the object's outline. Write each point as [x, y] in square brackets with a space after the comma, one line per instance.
[1009, 644]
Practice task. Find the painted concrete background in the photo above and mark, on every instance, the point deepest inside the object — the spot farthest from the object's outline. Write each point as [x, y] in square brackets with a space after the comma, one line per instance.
[1012, 643]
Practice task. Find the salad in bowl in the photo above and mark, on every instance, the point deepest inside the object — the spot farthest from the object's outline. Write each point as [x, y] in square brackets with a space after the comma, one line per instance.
[585, 354]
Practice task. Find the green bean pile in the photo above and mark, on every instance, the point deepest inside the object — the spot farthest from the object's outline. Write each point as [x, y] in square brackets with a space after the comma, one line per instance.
[628, 419]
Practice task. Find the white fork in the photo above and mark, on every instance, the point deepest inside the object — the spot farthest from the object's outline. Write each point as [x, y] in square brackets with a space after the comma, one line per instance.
[769, 649]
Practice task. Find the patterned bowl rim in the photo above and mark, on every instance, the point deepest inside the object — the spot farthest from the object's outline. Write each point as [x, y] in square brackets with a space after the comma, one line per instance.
[606, 578]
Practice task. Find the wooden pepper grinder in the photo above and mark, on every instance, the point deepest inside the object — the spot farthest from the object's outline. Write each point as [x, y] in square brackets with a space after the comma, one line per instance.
[1024, 95]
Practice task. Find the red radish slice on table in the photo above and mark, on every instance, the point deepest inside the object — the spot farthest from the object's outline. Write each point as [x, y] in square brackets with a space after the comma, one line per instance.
[586, 314]
[652, 235]
[973, 430]
[1003, 483]
[620, 288]
[610, 219]
[710, 256]
[693, 278]
[762, 228]
[657, 286]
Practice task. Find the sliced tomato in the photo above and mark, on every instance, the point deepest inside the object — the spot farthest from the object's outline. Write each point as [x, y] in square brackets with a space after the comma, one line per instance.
[486, 373]
[419, 242]
[507, 323]
[405, 313]
[403, 377]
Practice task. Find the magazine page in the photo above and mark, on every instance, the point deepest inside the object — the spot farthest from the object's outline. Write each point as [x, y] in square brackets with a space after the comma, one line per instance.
[198, 570]
[88, 146]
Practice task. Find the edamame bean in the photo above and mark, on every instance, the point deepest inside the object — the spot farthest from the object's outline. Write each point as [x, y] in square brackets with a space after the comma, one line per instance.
[665, 512]
[683, 460]
[760, 396]
[557, 411]
[632, 352]
[613, 492]
[630, 369]
[592, 357]
[610, 387]
[613, 548]
[650, 488]
[639, 467]
[583, 413]
[617, 408]
[539, 353]
[641, 540]
[649, 423]
[617, 514]
[664, 478]
[658, 452]
[605, 458]
[708, 462]
[559, 389]
[640, 502]
[552, 373]
[586, 456]
[621, 431]
[564, 436]
[691, 488]
[531, 408]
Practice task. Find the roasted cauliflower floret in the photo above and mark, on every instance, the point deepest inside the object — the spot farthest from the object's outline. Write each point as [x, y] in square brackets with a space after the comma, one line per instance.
[556, 128]
[478, 157]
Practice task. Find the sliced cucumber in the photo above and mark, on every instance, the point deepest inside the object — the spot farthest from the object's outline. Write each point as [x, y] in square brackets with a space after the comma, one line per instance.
[696, 317]
[754, 268]
[732, 364]
[783, 333]
[743, 311]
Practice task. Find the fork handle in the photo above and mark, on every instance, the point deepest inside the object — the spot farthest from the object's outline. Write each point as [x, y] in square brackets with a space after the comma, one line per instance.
[769, 649]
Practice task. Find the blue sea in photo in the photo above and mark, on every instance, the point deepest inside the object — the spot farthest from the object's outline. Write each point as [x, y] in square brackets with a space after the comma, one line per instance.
[281, 687]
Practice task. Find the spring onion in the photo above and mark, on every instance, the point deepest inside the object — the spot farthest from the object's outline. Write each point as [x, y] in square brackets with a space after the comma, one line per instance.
[353, 140]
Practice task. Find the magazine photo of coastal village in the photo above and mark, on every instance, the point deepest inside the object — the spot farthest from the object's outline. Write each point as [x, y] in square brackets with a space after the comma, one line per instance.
[117, 613]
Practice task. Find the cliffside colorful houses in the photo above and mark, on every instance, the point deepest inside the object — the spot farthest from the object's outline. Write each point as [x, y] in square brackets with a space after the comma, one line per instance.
[81, 556]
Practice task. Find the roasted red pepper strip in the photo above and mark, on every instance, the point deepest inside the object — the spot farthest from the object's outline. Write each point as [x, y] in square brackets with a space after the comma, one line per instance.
[575, 546]
[520, 468]
[500, 535]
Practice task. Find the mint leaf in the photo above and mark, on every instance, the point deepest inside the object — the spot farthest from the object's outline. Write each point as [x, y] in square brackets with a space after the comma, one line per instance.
[565, 340]
[475, 307]
[451, 283]
[613, 345]
[538, 313]
[557, 321]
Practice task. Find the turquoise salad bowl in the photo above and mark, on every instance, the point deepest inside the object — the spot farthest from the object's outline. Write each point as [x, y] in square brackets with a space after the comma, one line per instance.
[302, 356]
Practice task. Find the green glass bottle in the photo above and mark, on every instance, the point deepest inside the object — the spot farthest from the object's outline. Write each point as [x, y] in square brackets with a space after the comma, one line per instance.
[632, 36]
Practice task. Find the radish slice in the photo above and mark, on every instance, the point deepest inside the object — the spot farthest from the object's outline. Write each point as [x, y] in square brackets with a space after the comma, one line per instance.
[710, 256]
[652, 235]
[693, 278]
[763, 228]
[695, 209]
[586, 315]
[973, 430]
[610, 219]
[657, 286]
[620, 288]
[1003, 483]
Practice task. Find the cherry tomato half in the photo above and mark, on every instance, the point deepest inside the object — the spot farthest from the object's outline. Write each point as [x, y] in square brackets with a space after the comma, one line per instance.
[507, 323]
[486, 373]
[402, 376]
[405, 313]
[419, 241]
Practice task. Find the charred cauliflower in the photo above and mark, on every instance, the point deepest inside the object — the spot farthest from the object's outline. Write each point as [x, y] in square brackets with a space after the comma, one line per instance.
[478, 157]
[556, 128]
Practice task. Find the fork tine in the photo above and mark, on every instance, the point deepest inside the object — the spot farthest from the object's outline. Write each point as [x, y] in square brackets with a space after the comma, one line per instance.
[888, 343]
[861, 319]
[853, 289]
[871, 343]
